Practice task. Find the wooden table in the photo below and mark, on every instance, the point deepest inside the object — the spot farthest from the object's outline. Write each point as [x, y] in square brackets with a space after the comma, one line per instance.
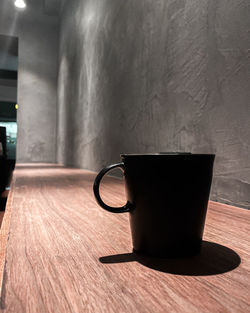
[62, 253]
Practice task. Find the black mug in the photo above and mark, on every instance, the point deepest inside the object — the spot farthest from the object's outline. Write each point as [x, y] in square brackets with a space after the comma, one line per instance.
[167, 198]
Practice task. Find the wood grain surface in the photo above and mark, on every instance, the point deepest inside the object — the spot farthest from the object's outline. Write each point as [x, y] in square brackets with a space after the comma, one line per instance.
[66, 254]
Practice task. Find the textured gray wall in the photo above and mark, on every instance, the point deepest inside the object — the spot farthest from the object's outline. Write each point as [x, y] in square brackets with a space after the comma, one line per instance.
[37, 78]
[157, 75]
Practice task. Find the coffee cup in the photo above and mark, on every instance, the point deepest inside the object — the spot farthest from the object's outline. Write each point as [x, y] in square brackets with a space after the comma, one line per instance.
[167, 199]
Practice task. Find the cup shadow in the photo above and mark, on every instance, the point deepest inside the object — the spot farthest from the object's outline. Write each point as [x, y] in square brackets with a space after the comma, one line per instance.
[214, 259]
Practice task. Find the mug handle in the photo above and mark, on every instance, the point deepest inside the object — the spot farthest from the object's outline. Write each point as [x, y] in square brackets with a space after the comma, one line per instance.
[126, 208]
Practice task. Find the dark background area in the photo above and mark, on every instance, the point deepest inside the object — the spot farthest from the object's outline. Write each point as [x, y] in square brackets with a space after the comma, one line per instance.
[8, 111]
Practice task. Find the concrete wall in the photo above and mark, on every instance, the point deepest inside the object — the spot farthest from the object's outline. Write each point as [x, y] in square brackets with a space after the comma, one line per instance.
[37, 78]
[157, 75]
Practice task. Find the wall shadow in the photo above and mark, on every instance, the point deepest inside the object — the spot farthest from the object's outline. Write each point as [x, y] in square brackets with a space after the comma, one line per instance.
[39, 166]
[214, 259]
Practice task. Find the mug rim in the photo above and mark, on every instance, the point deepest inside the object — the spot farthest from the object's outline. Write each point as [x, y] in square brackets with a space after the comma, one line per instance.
[165, 154]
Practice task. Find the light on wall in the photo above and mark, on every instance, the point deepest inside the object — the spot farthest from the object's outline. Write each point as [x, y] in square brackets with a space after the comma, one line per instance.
[20, 4]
